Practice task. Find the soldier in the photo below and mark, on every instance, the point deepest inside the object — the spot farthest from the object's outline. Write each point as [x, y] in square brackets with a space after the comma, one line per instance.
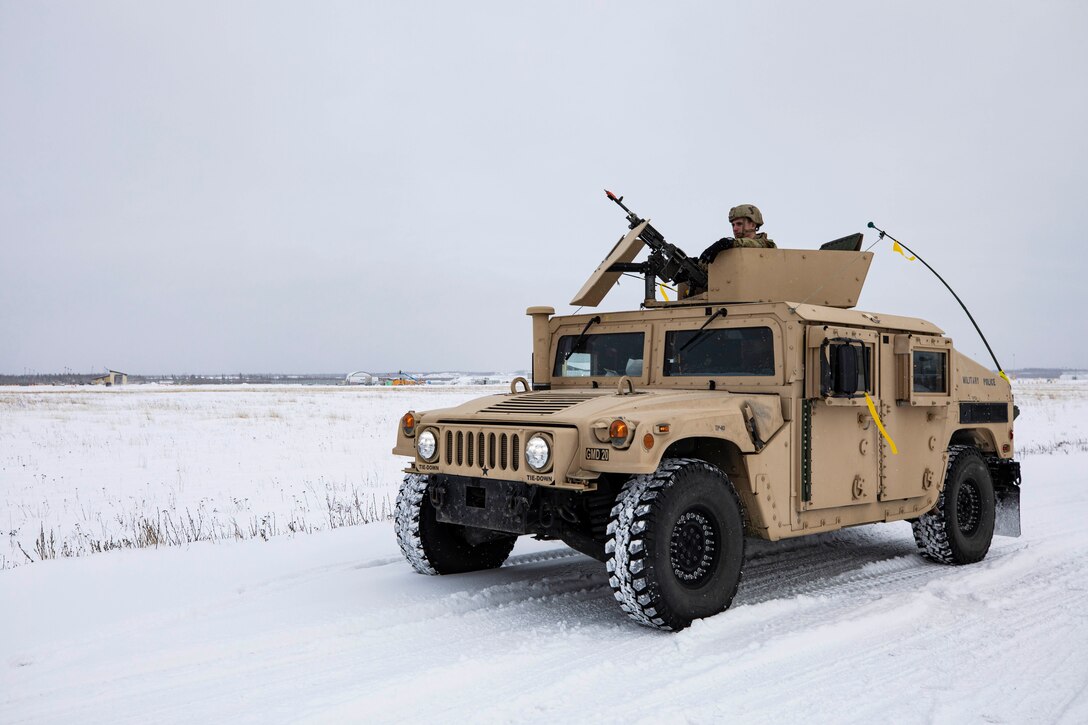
[746, 221]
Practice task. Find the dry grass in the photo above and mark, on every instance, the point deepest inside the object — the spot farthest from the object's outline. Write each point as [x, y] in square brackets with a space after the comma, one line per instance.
[1078, 445]
[177, 528]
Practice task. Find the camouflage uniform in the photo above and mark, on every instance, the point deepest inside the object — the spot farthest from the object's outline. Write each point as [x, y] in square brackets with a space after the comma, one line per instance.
[759, 240]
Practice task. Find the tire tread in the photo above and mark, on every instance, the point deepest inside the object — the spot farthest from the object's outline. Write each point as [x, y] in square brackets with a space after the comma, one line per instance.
[628, 547]
[406, 522]
[932, 529]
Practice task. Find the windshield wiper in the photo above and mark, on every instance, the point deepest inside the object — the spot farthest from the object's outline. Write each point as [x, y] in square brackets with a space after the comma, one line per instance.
[582, 336]
[701, 332]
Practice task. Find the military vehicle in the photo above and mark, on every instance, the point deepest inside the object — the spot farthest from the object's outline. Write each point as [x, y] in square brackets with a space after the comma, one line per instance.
[760, 405]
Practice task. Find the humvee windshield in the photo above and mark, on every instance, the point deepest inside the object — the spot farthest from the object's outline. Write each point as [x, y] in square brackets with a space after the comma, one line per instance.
[605, 355]
[735, 351]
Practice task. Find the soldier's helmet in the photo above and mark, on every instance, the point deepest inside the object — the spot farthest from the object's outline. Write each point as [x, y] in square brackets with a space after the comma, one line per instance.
[750, 211]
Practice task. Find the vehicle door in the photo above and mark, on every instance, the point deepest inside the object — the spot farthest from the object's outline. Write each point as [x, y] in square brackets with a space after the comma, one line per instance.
[840, 463]
[915, 378]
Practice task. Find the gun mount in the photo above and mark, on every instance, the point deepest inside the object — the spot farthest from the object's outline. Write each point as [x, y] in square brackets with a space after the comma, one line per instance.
[666, 261]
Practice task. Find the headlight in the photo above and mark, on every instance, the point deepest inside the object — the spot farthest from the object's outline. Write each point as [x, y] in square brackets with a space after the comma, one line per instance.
[537, 452]
[427, 445]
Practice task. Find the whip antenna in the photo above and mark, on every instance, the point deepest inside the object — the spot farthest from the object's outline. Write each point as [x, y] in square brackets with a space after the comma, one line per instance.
[1000, 370]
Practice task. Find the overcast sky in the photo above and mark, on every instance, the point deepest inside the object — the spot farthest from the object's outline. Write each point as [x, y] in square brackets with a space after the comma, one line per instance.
[319, 187]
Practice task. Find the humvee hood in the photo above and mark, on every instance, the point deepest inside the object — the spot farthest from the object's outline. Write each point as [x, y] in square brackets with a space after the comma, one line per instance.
[579, 406]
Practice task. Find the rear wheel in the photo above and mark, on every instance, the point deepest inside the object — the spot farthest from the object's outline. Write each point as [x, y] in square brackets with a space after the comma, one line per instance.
[959, 529]
[676, 544]
[434, 547]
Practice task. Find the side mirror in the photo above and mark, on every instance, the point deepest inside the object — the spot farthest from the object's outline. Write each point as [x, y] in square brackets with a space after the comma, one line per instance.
[844, 372]
[844, 368]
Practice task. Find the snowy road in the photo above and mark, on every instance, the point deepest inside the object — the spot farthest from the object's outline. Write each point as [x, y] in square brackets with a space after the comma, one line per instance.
[852, 626]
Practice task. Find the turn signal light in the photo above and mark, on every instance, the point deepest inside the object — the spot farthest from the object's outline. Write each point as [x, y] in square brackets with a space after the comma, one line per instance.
[618, 432]
[408, 423]
[648, 441]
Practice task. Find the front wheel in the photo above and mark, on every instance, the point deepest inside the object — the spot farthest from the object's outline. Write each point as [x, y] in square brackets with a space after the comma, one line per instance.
[960, 527]
[676, 544]
[434, 547]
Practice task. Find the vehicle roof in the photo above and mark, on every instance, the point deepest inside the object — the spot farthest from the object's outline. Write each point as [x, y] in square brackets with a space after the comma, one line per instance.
[783, 310]
[839, 316]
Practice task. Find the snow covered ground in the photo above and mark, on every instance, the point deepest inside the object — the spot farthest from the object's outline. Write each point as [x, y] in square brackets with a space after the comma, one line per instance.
[334, 626]
[84, 469]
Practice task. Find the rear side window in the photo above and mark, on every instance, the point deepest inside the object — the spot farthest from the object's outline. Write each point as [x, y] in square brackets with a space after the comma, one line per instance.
[733, 351]
[605, 355]
[930, 371]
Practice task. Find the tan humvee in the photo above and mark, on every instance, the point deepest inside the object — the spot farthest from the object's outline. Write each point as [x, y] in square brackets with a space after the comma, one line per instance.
[655, 440]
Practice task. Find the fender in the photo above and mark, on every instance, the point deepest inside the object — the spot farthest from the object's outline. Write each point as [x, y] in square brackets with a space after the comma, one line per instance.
[748, 422]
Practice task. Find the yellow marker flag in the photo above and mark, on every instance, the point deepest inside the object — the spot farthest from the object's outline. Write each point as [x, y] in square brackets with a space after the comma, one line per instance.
[1002, 374]
[664, 294]
[897, 248]
[879, 425]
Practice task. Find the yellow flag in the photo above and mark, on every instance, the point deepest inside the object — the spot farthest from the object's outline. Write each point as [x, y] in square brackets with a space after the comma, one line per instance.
[664, 294]
[897, 248]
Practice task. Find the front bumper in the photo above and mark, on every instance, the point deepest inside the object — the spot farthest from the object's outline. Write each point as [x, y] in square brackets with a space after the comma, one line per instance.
[494, 505]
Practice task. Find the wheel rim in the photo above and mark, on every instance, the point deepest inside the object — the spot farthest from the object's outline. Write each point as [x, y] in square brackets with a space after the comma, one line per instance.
[694, 547]
[968, 507]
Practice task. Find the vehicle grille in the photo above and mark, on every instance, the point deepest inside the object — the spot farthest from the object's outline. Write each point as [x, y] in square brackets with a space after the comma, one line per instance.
[539, 403]
[474, 450]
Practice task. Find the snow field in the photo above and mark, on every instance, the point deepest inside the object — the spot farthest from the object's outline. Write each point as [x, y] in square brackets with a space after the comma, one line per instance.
[91, 469]
[1053, 416]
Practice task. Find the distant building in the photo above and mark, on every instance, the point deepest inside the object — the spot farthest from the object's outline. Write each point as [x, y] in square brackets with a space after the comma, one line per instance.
[112, 377]
[359, 377]
[1074, 375]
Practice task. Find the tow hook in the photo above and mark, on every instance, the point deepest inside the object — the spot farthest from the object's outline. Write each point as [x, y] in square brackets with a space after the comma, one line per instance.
[516, 506]
[437, 493]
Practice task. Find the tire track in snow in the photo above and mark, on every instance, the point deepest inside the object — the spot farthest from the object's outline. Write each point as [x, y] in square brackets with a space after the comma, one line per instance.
[825, 619]
[847, 569]
[920, 622]
[791, 580]
[521, 559]
[537, 588]
[802, 570]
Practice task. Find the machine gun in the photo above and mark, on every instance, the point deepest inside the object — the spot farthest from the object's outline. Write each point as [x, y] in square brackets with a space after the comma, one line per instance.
[666, 261]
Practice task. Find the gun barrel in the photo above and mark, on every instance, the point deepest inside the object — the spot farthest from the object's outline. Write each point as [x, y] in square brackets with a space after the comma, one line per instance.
[632, 217]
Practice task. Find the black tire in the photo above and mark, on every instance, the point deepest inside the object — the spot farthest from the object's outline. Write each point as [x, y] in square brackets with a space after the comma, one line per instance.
[676, 545]
[960, 527]
[434, 547]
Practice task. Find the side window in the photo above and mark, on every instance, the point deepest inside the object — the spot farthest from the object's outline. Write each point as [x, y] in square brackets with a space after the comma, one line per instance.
[846, 368]
[930, 372]
[736, 351]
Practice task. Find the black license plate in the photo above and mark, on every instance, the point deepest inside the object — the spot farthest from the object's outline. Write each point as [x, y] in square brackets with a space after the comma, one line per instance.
[596, 454]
